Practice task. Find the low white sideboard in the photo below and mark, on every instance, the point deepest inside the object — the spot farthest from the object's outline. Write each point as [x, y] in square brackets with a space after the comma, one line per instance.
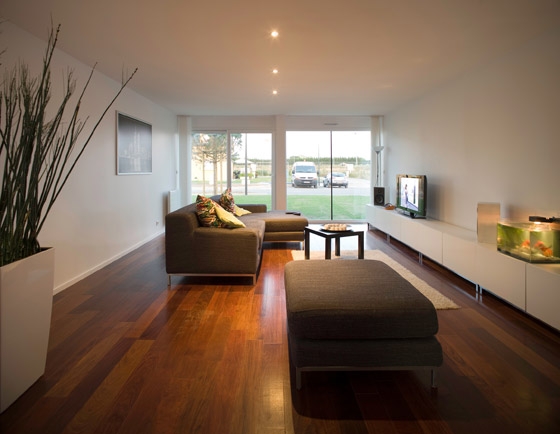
[533, 288]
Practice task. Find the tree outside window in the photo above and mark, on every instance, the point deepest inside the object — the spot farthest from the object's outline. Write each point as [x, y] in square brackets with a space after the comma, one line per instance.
[209, 153]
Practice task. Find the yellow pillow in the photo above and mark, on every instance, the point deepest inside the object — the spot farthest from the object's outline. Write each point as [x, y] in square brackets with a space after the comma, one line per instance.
[228, 219]
[240, 211]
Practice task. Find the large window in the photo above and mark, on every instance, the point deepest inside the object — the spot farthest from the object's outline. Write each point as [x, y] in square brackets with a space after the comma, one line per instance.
[249, 168]
[328, 173]
[338, 186]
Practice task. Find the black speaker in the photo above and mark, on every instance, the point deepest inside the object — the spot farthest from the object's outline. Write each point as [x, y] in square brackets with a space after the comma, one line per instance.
[379, 196]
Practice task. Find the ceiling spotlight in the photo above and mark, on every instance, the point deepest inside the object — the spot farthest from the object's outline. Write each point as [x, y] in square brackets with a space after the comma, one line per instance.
[275, 71]
[274, 34]
[274, 92]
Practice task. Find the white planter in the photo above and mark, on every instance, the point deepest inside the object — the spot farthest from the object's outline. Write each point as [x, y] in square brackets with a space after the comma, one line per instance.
[26, 296]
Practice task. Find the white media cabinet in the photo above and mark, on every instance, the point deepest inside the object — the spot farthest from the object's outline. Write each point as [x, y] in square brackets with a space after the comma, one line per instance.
[532, 288]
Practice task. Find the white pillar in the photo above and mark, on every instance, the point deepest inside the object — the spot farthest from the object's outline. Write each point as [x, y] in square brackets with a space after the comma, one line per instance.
[185, 157]
[279, 196]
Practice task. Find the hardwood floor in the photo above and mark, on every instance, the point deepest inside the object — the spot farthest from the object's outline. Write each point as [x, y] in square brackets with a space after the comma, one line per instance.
[129, 355]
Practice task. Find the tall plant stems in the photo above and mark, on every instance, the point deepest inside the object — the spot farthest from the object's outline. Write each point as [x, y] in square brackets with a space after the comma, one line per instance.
[37, 154]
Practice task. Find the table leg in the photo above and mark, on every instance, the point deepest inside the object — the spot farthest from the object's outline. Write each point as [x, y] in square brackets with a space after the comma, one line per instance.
[360, 245]
[328, 248]
[337, 246]
[306, 243]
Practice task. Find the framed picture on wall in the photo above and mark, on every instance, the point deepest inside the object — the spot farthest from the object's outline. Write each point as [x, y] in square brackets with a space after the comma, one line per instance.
[134, 146]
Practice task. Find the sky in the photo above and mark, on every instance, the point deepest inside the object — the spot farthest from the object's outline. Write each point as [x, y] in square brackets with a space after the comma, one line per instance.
[317, 143]
[313, 144]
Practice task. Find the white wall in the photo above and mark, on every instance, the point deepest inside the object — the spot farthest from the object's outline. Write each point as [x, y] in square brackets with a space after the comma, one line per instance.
[491, 136]
[100, 216]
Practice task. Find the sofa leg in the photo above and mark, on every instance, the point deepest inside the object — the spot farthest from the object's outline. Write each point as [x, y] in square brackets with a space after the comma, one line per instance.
[169, 280]
[434, 378]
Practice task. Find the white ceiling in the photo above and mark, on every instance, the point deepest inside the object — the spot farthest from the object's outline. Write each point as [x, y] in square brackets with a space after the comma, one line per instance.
[335, 57]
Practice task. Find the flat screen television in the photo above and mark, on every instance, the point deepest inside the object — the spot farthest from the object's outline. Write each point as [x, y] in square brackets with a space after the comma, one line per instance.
[411, 195]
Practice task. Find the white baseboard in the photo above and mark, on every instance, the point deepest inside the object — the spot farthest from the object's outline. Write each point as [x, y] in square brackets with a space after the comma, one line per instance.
[92, 270]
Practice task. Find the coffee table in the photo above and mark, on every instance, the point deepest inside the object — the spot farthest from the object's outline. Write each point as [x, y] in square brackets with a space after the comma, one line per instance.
[330, 235]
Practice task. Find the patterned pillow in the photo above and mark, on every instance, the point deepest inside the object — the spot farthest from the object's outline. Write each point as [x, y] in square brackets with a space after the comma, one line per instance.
[206, 213]
[226, 200]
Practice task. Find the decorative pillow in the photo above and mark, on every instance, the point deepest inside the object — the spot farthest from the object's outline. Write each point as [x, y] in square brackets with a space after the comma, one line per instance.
[226, 200]
[238, 211]
[228, 218]
[206, 212]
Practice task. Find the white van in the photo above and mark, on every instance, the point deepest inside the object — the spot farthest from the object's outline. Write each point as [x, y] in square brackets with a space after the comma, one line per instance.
[304, 173]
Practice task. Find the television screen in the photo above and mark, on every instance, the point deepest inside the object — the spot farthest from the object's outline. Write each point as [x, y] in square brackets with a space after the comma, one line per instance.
[411, 195]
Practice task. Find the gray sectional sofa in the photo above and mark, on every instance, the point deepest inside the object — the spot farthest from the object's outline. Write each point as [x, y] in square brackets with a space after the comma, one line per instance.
[194, 250]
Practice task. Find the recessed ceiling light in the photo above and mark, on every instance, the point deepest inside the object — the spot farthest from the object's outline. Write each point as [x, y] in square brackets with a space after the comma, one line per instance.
[274, 34]
[275, 71]
[274, 92]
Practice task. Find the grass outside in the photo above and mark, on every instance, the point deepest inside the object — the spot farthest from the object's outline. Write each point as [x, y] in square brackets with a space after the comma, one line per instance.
[318, 207]
[313, 207]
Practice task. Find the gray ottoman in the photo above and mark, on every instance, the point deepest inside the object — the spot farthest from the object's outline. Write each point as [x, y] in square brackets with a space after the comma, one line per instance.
[357, 315]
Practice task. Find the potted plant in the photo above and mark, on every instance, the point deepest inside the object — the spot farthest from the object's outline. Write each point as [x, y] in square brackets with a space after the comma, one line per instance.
[37, 155]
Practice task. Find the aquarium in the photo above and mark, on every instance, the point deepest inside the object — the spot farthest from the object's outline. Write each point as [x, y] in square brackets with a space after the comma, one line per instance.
[531, 242]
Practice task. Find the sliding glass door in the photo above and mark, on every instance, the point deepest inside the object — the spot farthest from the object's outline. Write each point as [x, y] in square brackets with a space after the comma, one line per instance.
[341, 160]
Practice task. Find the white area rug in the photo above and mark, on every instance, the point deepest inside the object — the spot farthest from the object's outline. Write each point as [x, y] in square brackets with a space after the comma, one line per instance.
[439, 300]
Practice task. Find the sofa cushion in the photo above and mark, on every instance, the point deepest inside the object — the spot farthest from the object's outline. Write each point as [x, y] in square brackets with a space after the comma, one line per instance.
[238, 211]
[228, 218]
[354, 299]
[280, 221]
[226, 200]
[206, 213]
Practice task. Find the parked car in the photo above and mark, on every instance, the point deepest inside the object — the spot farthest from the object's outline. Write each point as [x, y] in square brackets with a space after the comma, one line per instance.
[337, 179]
[304, 173]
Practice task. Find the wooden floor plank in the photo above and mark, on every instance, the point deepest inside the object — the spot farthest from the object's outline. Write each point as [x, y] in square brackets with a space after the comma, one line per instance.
[87, 419]
[73, 377]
